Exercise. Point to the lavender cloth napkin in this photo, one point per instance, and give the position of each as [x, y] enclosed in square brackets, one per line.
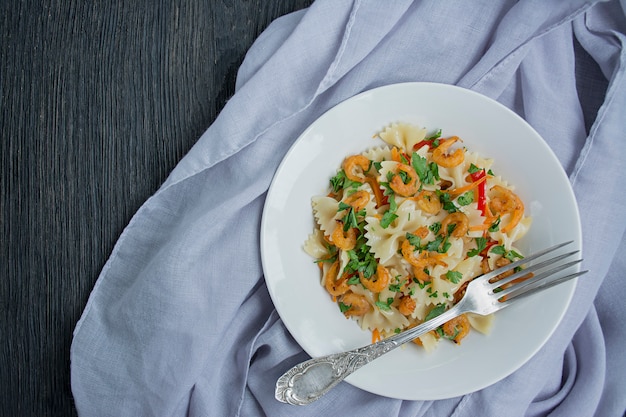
[180, 321]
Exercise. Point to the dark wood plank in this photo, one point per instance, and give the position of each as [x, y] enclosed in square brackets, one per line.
[98, 102]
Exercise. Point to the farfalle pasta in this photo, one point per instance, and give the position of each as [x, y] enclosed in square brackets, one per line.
[407, 225]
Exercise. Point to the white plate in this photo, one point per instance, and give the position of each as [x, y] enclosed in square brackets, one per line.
[521, 157]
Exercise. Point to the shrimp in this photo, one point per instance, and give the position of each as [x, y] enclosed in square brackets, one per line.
[407, 305]
[344, 240]
[358, 304]
[408, 253]
[428, 260]
[355, 163]
[405, 189]
[500, 262]
[448, 160]
[506, 201]
[460, 222]
[421, 274]
[422, 262]
[428, 202]
[421, 232]
[380, 283]
[358, 200]
[334, 286]
[457, 328]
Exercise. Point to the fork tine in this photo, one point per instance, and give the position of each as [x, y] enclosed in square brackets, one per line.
[524, 292]
[543, 277]
[529, 269]
[512, 265]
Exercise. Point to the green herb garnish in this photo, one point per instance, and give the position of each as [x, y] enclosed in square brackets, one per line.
[340, 181]
[466, 198]
[495, 226]
[436, 311]
[481, 244]
[454, 276]
[385, 306]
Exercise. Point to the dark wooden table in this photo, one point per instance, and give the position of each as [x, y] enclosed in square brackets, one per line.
[98, 102]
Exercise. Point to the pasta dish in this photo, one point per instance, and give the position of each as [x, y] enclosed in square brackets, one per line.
[406, 225]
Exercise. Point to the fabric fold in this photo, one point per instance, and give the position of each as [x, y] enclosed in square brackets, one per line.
[511, 39]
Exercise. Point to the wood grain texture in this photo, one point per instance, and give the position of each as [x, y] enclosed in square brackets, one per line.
[98, 102]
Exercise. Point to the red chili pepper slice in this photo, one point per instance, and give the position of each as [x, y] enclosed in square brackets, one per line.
[428, 142]
[482, 190]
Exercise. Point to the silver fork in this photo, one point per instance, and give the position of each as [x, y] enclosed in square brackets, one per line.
[309, 380]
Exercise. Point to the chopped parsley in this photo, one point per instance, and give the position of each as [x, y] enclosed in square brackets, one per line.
[495, 226]
[446, 201]
[435, 135]
[440, 244]
[354, 280]
[361, 260]
[422, 285]
[414, 240]
[481, 244]
[511, 255]
[427, 172]
[385, 306]
[435, 227]
[341, 182]
[343, 206]
[436, 311]
[350, 219]
[473, 168]
[324, 260]
[404, 177]
[454, 276]
[390, 215]
[466, 198]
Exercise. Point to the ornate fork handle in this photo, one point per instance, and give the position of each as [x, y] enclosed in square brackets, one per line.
[308, 381]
